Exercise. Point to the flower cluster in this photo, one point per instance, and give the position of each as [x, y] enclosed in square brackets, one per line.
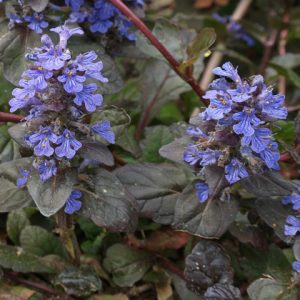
[57, 92]
[292, 224]
[235, 129]
[235, 29]
[103, 16]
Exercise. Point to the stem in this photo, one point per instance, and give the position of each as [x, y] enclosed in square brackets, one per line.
[168, 265]
[159, 46]
[8, 117]
[68, 237]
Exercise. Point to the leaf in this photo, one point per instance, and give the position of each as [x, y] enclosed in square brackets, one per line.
[274, 213]
[13, 49]
[209, 220]
[171, 35]
[161, 240]
[207, 265]
[296, 248]
[200, 44]
[291, 75]
[118, 118]
[265, 289]
[155, 138]
[112, 207]
[19, 261]
[127, 265]
[79, 282]
[267, 184]
[174, 150]
[159, 85]
[40, 242]
[51, 195]
[16, 222]
[95, 150]
[109, 297]
[221, 291]
[17, 132]
[156, 188]
[38, 5]
[297, 128]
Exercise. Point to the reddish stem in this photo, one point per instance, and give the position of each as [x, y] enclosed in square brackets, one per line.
[159, 46]
[8, 117]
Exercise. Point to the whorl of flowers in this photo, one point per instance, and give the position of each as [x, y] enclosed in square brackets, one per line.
[57, 91]
[235, 129]
[102, 16]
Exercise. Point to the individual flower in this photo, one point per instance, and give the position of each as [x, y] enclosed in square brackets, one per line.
[87, 96]
[68, 145]
[36, 22]
[292, 226]
[202, 191]
[235, 171]
[271, 156]
[47, 169]
[75, 4]
[296, 266]
[39, 76]
[293, 199]
[42, 140]
[103, 129]
[65, 33]
[21, 181]
[259, 140]
[72, 203]
[72, 81]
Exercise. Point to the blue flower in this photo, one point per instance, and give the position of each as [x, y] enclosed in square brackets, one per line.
[272, 106]
[103, 129]
[86, 96]
[41, 141]
[220, 84]
[18, 103]
[229, 71]
[202, 191]
[242, 93]
[72, 203]
[209, 157]
[99, 22]
[292, 226]
[106, 9]
[271, 156]
[191, 155]
[75, 4]
[15, 18]
[94, 71]
[195, 132]
[296, 266]
[73, 82]
[247, 122]
[47, 169]
[27, 91]
[86, 60]
[124, 25]
[68, 145]
[53, 58]
[259, 140]
[220, 104]
[65, 33]
[39, 75]
[21, 181]
[294, 199]
[36, 22]
[235, 171]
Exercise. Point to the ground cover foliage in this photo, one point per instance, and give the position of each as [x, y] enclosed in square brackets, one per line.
[149, 169]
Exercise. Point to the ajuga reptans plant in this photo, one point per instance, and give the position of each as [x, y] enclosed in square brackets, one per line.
[57, 92]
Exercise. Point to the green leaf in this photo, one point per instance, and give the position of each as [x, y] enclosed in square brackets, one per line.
[118, 118]
[291, 75]
[40, 242]
[155, 138]
[208, 220]
[201, 43]
[16, 222]
[95, 150]
[80, 282]
[11, 196]
[51, 195]
[156, 188]
[6, 145]
[112, 206]
[127, 265]
[207, 265]
[19, 261]
[274, 213]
